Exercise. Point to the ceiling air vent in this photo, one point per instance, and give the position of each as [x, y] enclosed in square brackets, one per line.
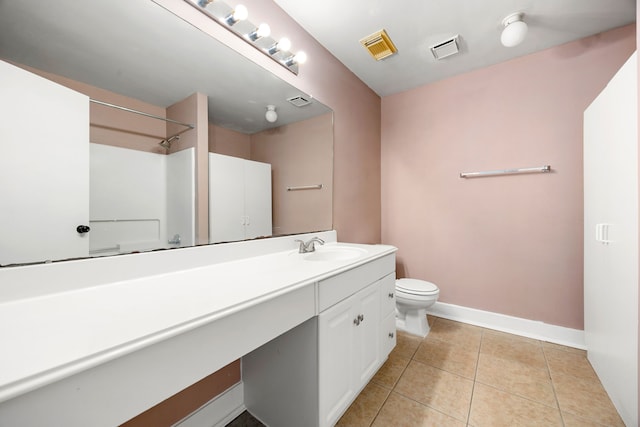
[446, 48]
[299, 101]
[379, 45]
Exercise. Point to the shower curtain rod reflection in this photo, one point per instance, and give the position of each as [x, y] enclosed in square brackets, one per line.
[142, 113]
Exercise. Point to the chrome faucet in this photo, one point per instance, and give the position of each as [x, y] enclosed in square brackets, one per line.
[309, 246]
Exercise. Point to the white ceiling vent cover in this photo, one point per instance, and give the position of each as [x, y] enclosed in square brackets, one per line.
[299, 101]
[446, 48]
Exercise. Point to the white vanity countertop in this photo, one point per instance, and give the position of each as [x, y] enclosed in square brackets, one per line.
[48, 337]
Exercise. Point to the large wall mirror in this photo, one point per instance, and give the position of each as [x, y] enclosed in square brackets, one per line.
[127, 129]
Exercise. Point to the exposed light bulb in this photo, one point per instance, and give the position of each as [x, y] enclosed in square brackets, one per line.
[263, 30]
[300, 57]
[271, 114]
[284, 44]
[240, 13]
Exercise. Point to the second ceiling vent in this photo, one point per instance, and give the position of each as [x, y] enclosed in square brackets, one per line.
[379, 45]
[446, 48]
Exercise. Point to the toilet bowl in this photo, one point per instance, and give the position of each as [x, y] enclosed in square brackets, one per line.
[413, 297]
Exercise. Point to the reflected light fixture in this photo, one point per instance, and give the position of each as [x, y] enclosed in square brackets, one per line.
[240, 13]
[271, 114]
[257, 36]
[515, 30]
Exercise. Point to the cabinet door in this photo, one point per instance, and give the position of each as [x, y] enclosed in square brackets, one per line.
[387, 335]
[336, 334]
[368, 334]
[226, 198]
[44, 168]
[611, 239]
[257, 199]
[388, 295]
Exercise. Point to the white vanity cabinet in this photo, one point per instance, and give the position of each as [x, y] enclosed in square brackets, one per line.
[348, 354]
[355, 337]
[287, 384]
[349, 350]
[387, 313]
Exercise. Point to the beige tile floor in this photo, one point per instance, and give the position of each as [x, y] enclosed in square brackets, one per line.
[464, 375]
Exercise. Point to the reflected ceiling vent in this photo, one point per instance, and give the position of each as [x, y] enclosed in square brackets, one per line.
[379, 45]
[299, 101]
[446, 48]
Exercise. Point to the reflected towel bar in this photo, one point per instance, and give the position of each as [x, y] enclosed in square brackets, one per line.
[545, 168]
[305, 187]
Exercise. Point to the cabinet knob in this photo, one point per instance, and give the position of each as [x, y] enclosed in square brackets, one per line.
[361, 317]
[390, 294]
[391, 334]
[356, 321]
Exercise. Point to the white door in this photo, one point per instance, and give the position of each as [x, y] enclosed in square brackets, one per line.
[368, 350]
[44, 168]
[336, 337]
[611, 239]
[226, 198]
[257, 178]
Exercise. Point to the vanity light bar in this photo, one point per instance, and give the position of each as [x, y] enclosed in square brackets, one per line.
[258, 36]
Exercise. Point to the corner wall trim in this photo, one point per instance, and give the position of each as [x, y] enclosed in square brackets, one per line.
[219, 411]
[513, 325]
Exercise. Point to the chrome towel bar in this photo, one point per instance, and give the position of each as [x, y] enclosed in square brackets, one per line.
[545, 168]
[305, 187]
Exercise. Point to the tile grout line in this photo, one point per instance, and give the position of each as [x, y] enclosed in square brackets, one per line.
[390, 391]
[475, 376]
[393, 387]
[553, 385]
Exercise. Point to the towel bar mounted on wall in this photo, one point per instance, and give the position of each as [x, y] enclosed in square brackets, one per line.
[539, 169]
[305, 187]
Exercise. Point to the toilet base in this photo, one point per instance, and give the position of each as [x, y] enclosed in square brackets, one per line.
[414, 323]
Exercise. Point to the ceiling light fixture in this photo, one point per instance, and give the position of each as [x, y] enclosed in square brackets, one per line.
[515, 30]
[257, 36]
[271, 114]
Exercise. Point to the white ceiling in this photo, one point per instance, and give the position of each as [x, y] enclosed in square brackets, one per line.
[416, 25]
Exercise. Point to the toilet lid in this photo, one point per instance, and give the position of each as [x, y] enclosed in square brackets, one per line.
[415, 286]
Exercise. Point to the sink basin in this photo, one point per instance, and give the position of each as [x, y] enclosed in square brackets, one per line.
[334, 253]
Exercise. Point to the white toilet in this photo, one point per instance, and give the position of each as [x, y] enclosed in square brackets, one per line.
[413, 297]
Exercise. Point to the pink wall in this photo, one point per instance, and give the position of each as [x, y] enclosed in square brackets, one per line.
[229, 142]
[300, 154]
[508, 244]
[356, 194]
[194, 110]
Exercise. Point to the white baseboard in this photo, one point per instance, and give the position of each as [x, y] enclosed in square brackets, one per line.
[513, 325]
[219, 411]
